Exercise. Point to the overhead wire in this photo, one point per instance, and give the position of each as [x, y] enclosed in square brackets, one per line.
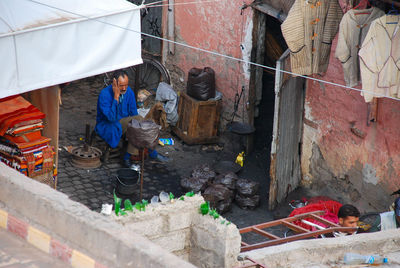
[219, 54]
[183, 3]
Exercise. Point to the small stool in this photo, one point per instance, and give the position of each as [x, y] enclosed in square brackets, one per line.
[108, 152]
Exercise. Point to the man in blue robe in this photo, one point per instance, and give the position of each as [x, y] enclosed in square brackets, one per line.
[116, 107]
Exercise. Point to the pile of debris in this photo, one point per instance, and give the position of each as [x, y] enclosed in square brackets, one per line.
[221, 190]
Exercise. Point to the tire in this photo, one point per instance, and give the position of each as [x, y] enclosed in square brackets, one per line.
[148, 75]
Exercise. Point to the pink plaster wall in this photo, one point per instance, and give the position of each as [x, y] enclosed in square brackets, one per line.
[216, 26]
[335, 110]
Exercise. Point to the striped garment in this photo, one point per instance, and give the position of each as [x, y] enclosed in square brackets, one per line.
[309, 29]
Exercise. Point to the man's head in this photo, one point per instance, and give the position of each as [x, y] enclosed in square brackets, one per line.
[397, 209]
[122, 80]
[348, 216]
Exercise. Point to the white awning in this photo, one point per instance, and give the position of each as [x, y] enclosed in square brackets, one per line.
[42, 46]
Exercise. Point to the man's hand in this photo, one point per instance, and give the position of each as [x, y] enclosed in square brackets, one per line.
[116, 89]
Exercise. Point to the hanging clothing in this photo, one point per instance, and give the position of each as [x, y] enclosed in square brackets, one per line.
[352, 31]
[380, 58]
[111, 111]
[309, 29]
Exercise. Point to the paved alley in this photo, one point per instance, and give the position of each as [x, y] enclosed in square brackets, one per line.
[17, 253]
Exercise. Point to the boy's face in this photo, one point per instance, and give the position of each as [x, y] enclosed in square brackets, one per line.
[349, 221]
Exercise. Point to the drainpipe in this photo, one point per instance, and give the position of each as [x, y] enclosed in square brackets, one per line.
[171, 27]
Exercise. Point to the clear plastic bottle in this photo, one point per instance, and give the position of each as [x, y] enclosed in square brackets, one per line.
[354, 258]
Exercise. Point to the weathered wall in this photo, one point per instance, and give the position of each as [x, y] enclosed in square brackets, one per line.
[360, 170]
[218, 27]
[329, 252]
[179, 228]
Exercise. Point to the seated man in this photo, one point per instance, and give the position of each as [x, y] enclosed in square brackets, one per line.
[397, 211]
[388, 220]
[116, 107]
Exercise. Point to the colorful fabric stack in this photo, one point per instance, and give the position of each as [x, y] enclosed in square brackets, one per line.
[21, 144]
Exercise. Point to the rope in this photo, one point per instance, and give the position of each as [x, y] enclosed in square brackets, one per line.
[220, 54]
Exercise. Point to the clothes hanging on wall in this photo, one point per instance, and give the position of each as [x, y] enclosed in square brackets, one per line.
[352, 31]
[380, 58]
[309, 30]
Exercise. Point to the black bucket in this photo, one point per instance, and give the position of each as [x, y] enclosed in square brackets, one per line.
[126, 181]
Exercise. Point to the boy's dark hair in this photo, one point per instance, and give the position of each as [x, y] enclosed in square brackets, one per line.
[119, 73]
[348, 210]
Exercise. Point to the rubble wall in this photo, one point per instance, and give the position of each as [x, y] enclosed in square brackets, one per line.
[340, 151]
[51, 221]
[218, 27]
[329, 252]
[179, 228]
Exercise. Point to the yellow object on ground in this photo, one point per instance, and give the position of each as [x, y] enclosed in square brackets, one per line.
[240, 159]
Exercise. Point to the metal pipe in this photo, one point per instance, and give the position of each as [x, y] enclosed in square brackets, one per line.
[141, 176]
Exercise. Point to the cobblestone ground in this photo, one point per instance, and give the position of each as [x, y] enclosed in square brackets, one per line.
[17, 253]
[95, 187]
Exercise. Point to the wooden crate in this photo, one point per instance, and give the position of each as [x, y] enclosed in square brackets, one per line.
[198, 120]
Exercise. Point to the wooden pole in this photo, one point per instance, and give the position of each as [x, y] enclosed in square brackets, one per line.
[141, 176]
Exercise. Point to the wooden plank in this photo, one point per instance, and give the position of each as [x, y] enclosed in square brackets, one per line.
[244, 244]
[269, 10]
[296, 237]
[264, 233]
[295, 227]
[322, 220]
[278, 222]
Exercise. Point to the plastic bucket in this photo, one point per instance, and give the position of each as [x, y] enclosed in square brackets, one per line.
[126, 181]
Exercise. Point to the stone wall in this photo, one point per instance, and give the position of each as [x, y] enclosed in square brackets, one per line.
[179, 228]
[54, 215]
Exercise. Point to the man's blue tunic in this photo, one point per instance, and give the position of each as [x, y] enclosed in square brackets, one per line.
[110, 111]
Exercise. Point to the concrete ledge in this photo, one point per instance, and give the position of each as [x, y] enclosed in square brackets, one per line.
[323, 252]
[87, 233]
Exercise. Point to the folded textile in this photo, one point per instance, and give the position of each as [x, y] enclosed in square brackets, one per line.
[31, 164]
[25, 129]
[25, 145]
[15, 110]
[24, 137]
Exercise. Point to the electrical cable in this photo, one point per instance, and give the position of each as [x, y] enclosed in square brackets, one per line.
[184, 3]
[220, 54]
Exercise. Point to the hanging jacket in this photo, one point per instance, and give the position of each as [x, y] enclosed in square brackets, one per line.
[380, 58]
[309, 29]
[352, 31]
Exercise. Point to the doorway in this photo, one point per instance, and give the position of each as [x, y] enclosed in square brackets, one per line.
[274, 47]
[278, 112]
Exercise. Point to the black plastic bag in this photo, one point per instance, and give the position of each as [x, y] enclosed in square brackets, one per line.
[247, 187]
[203, 172]
[193, 184]
[143, 134]
[245, 202]
[219, 196]
[228, 180]
[201, 83]
[224, 206]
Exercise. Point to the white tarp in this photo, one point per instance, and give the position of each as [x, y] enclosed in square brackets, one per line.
[42, 46]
